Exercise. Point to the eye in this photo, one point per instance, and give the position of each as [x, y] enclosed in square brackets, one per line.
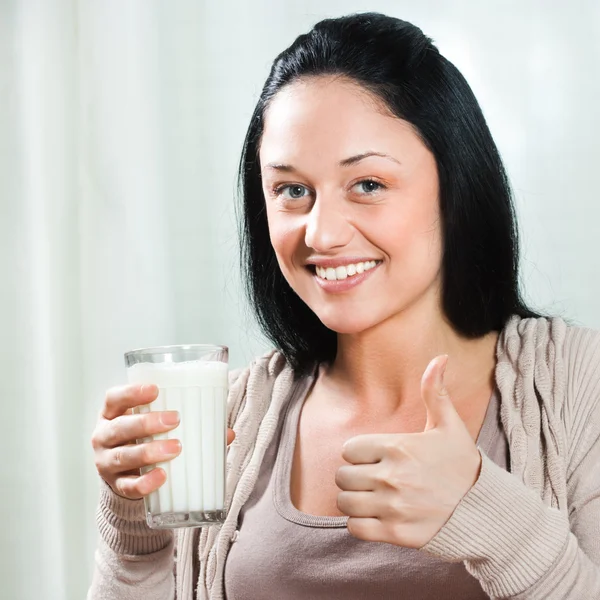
[294, 191]
[368, 186]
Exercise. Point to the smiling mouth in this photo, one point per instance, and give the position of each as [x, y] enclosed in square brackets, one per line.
[345, 271]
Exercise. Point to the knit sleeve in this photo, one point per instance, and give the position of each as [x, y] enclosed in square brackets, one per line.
[132, 561]
[513, 543]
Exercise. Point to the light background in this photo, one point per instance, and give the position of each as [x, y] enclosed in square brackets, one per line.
[121, 123]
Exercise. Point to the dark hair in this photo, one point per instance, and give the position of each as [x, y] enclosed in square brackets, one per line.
[397, 63]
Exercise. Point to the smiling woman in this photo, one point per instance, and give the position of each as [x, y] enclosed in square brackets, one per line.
[339, 112]
[368, 197]
[418, 431]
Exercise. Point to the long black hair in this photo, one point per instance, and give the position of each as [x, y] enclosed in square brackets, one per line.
[401, 66]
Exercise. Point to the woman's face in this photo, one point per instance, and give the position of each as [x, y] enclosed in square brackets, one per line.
[352, 204]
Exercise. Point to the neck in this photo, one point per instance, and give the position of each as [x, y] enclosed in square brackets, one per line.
[380, 369]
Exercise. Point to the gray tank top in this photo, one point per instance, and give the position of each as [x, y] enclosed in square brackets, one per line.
[280, 553]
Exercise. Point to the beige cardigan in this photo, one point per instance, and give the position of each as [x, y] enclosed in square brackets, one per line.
[531, 533]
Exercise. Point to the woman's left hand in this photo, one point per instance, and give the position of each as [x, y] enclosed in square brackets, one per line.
[402, 488]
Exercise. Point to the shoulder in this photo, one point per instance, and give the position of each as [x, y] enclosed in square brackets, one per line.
[581, 359]
[270, 365]
[581, 355]
[550, 340]
[549, 362]
[550, 348]
[559, 360]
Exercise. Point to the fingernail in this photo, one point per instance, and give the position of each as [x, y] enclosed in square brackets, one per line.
[442, 371]
[169, 418]
[444, 364]
[171, 448]
[149, 389]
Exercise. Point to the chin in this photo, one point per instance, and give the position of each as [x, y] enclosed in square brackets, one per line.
[345, 324]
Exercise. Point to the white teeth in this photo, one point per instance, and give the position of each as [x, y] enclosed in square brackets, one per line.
[343, 272]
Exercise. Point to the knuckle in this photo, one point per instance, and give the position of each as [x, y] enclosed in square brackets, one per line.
[121, 487]
[346, 500]
[388, 478]
[95, 440]
[99, 464]
[116, 396]
[393, 449]
[350, 526]
[133, 489]
[381, 478]
[354, 527]
[347, 449]
[119, 458]
[111, 433]
[113, 391]
[397, 507]
[149, 424]
[395, 482]
[148, 454]
[342, 477]
[401, 535]
[112, 395]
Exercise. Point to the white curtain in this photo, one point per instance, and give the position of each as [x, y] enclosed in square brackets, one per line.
[121, 124]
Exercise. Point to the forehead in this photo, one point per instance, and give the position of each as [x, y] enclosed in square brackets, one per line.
[330, 117]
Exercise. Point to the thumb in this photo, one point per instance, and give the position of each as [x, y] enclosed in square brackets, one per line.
[440, 410]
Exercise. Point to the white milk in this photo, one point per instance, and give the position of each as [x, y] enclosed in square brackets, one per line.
[196, 478]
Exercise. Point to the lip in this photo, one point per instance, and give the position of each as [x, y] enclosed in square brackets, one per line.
[343, 285]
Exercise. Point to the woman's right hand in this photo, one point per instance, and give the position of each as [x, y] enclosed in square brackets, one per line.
[117, 456]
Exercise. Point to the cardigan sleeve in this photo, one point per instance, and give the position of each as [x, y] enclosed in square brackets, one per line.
[509, 539]
[132, 561]
[517, 546]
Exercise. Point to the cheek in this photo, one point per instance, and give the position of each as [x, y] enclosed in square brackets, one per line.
[416, 241]
[286, 238]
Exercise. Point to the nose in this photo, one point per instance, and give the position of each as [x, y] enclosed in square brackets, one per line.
[327, 227]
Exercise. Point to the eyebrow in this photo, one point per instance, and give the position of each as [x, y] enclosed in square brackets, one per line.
[347, 162]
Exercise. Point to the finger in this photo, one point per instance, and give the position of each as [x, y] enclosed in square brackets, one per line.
[127, 429]
[358, 504]
[136, 487]
[367, 448]
[369, 529]
[136, 456]
[355, 478]
[119, 399]
[230, 436]
[440, 410]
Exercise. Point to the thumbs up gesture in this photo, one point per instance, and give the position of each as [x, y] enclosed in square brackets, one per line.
[402, 488]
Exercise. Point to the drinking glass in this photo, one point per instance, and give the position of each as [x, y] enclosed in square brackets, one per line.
[193, 380]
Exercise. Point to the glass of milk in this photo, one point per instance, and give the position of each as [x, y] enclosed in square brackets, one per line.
[192, 380]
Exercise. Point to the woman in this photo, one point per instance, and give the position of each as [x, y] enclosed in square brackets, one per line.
[419, 431]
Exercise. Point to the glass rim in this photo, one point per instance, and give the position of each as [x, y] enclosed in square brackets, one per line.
[154, 350]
